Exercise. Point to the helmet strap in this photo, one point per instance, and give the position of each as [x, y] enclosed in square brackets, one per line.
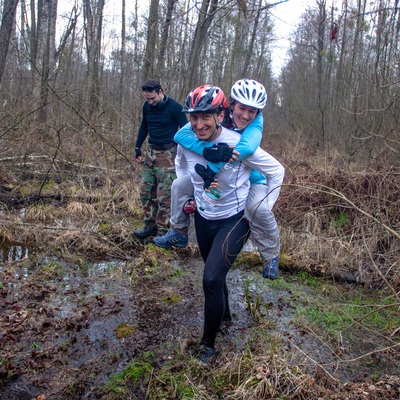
[217, 126]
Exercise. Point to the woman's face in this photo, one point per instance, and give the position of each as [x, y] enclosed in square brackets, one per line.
[242, 115]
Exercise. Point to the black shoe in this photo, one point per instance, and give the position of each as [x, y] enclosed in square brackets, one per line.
[148, 230]
[227, 317]
[206, 354]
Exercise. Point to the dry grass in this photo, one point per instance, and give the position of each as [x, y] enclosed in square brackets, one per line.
[42, 213]
[7, 232]
[267, 377]
[334, 222]
[345, 224]
[79, 210]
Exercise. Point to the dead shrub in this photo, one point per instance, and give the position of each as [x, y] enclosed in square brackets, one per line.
[339, 222]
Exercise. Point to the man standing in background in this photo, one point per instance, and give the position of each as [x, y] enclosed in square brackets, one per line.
[162, 117]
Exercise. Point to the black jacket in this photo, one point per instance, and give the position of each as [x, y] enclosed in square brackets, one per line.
[161, 122]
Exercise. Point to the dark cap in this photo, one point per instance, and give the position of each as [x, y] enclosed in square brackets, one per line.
[151, 85]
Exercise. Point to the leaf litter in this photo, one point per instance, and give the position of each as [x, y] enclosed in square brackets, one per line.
[61, 323]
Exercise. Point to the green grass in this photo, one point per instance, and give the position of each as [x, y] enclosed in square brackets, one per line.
[379, 313]
[307, 279]
[118, 385]
[35, 346]
[341, 221]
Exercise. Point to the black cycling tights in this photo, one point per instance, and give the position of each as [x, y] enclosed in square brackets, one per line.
[220, 241]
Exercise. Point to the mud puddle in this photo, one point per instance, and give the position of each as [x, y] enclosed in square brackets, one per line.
[67, 326]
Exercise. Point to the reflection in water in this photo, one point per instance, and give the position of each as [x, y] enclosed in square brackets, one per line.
[10, 253]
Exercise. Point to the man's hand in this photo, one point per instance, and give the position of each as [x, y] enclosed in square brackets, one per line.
[207, 174]
[218, 153]
[138, 154]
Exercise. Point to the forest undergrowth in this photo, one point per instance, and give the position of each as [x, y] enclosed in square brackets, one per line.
[338, 225]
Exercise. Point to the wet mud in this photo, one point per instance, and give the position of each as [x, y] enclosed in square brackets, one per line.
[68, 325]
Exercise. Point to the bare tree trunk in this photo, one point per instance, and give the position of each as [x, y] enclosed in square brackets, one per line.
[253, 40]
[164, 37]
[206, 15]
[320, 85]
[93, 15]
[149, 70]
[33, 34]
[69, 61]
[69, 32]
[123, 66]
[338, 77]
[397, 23]
[7, 20]
[234, 51]
[43, 52]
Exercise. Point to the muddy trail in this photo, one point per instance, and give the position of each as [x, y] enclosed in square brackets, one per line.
[69, 325]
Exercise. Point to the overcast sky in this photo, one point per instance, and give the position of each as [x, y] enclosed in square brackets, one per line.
[286, 16]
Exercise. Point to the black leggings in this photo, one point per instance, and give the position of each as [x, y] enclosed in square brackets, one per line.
[220, 241]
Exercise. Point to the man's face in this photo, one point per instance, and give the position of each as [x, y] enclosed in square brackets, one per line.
[242, 115]
[153, 98]
[204, 124]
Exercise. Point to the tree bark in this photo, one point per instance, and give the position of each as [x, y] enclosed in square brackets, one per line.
[164, 37]
[320, 53]
[93, 15]
[43, 52]
[149, 70]
[253, 40]
[206, 15]
[123, 65]
[7, 20]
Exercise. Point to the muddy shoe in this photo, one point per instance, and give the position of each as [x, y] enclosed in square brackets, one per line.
[171, 238]
[148, 230]
[206, 354]
[271, 268]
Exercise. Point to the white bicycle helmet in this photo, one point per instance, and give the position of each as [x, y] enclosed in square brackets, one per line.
[250, 93]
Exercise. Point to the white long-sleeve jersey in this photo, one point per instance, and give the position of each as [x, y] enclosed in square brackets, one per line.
[233, 182]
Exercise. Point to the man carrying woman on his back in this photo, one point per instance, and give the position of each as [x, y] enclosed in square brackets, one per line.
[248, 98]
[221, 231]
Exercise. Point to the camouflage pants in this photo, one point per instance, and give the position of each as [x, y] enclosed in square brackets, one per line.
[155, 191]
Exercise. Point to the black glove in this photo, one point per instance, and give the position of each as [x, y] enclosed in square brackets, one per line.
[207, 174]
[138, 153]
[219, 153]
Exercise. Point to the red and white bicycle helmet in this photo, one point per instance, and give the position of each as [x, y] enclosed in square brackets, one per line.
[250, 93]
[205, 99]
